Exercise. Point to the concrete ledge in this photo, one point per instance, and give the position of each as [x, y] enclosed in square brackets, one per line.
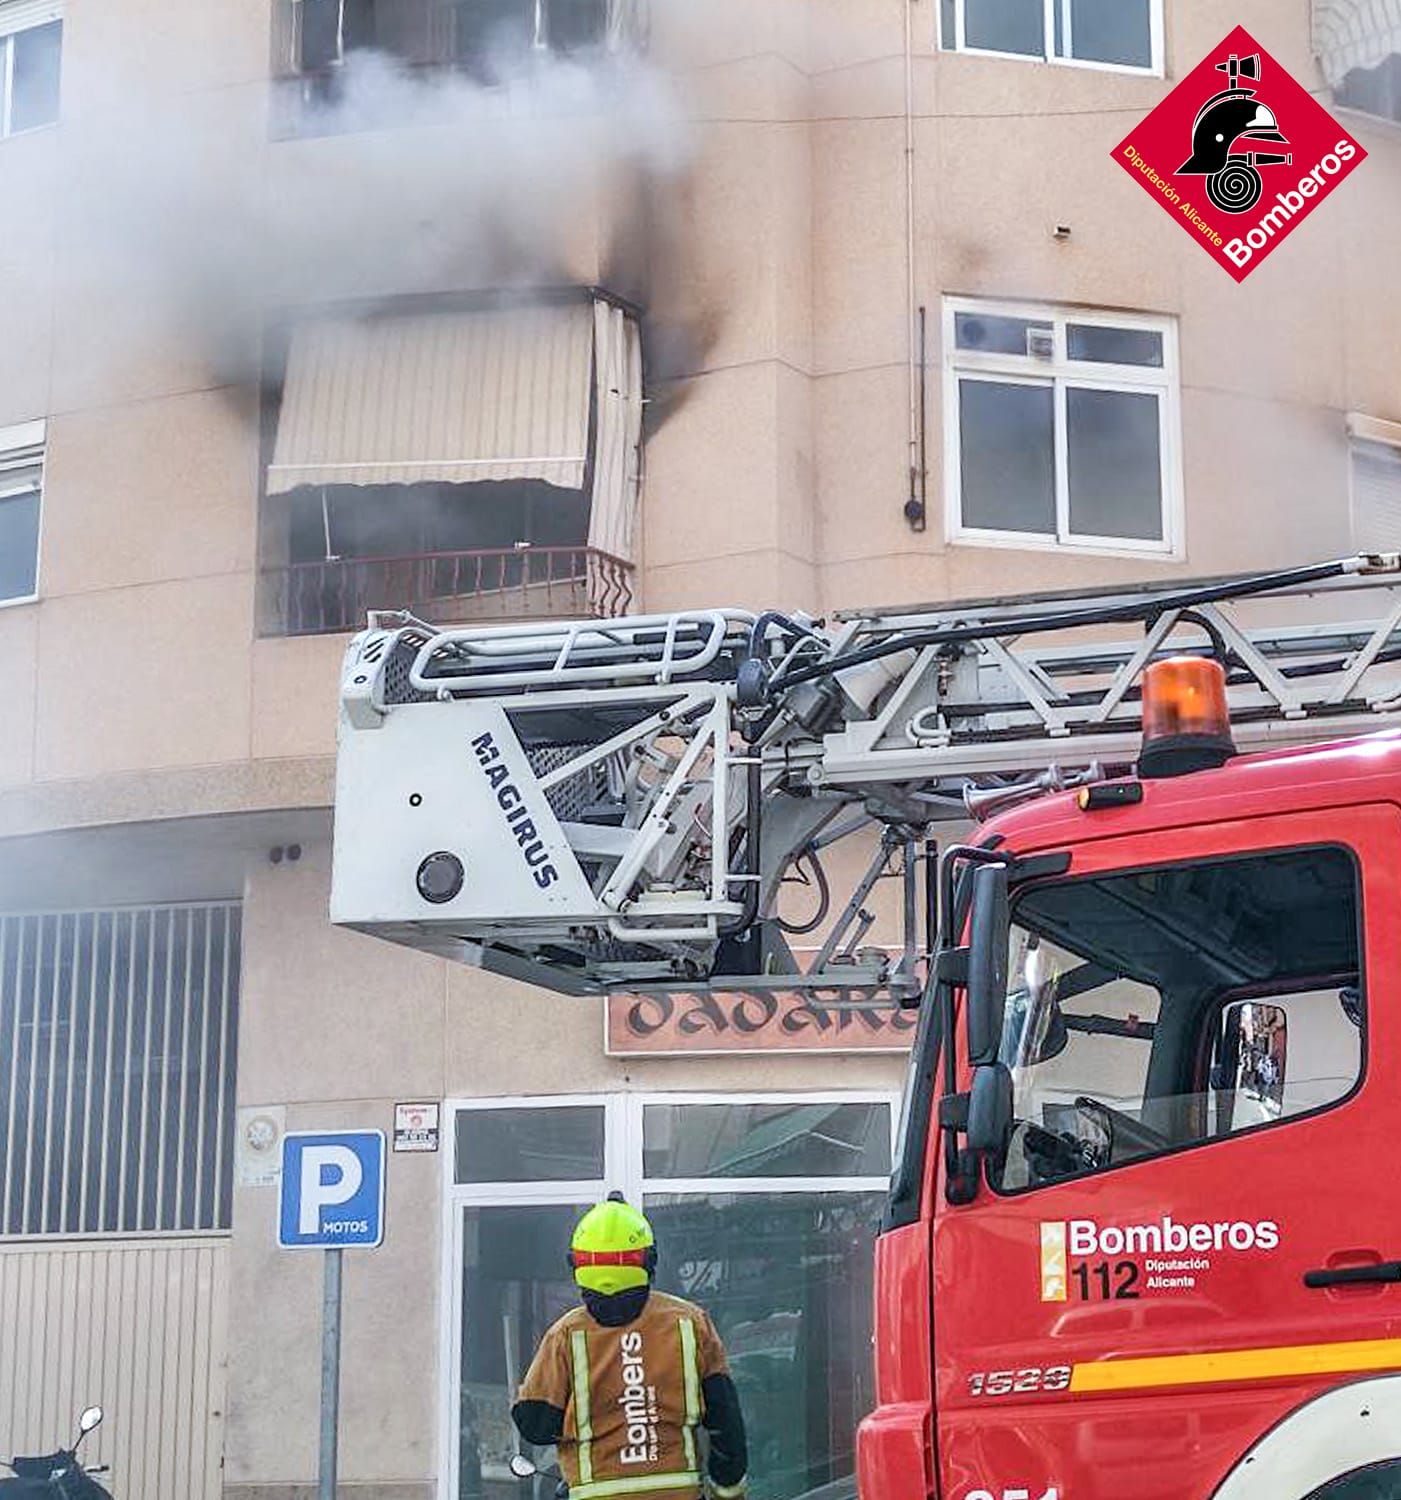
[179, 792]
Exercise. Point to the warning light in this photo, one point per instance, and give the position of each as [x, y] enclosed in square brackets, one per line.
[1186, 722]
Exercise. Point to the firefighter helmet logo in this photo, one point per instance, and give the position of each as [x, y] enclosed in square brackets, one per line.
[1224, 136]
[1264, 153]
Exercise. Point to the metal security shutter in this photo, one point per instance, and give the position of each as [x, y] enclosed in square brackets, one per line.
[448, 397]
[1376, 496]
[136, 1326]
[1350, 34]
[117, 1051]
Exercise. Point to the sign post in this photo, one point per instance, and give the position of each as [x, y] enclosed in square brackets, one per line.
[332, 1197]
[330, 1374]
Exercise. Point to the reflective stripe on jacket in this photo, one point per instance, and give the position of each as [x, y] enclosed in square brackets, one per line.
[631, 1397]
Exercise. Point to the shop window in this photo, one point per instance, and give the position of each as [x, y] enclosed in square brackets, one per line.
[21, 491]
[459, 463]
[519, 1145]
[31, 50]
[1061, 429]
[765, 1212]
[117, 1033]
[1374, 463]
[1241, 1007]
[766, 1140]
[1094, 33]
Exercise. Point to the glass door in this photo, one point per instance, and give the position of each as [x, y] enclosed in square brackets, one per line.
[765, 1210]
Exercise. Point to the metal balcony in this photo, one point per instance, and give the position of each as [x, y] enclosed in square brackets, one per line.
[516, 583]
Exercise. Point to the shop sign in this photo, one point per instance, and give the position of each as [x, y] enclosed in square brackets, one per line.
[738, 1021]
[415, 1127]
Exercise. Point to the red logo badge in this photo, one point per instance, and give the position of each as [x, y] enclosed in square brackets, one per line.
[1239, 154]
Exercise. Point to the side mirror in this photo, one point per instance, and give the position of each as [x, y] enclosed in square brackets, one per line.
[522, 1467]
[89, 1418]
[987, 963]
[990, 1105]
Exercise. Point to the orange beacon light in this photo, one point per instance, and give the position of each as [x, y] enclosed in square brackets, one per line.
[1186, 721]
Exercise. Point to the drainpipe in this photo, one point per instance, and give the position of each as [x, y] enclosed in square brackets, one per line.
[914, 504]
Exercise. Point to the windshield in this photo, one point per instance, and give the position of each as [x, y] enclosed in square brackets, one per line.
[1152, 1010]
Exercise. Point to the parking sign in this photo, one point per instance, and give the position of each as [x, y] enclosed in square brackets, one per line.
[332, 1190]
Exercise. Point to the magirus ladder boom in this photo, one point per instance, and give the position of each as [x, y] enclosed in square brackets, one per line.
[656, 802]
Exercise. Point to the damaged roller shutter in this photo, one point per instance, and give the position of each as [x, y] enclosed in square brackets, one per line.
[617, 460]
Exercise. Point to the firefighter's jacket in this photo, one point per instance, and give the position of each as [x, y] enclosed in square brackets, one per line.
[625, 1404]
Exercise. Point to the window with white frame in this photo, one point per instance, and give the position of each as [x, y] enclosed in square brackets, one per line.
[1088, 33]
[1061, 428]
[765, 1210]
[1374, 461]
[21, 489]
[31, 49]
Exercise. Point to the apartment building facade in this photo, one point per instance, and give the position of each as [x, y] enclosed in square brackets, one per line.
[502, 309]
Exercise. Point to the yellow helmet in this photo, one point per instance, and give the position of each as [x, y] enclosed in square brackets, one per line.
[613, 1249]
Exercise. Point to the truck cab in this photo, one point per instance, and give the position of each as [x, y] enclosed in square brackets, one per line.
[1142, 1239]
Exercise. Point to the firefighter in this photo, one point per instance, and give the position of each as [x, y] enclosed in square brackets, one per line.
[623, 1383]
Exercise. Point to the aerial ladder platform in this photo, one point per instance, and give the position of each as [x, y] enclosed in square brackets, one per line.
[631, 804]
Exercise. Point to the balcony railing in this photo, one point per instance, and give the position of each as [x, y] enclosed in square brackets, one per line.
[516, 583]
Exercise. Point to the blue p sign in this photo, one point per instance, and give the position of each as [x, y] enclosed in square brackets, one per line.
[332, 1190]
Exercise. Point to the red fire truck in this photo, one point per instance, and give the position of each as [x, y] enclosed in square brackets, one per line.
[1141, 1214]
[1140, 1242]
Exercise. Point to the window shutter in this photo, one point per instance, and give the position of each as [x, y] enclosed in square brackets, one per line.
[618, 448]
[21, 458]
[448, 398]
[1376, 497]
[21, 15]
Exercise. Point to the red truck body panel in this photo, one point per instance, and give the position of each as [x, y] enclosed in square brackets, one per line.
[1016, 1397]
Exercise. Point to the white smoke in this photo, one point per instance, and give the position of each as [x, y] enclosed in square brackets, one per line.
[191, 223]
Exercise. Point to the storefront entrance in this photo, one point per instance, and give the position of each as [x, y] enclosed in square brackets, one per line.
[765, 1209]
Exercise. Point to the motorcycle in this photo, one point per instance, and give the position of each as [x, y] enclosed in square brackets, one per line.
[56, 1476]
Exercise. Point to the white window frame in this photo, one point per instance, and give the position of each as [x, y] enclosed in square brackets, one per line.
[12, 440]
[622, 1160]
[16, 18]
[1060, 373]
[1155, 69]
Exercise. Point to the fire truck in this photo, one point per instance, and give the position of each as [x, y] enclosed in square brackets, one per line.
[1134, 858]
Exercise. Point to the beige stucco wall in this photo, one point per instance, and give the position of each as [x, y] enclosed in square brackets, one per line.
[780, 471]
[135, 690]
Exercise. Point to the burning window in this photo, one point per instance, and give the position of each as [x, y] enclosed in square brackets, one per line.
[460, 463]
[319, 35]
[31, 44]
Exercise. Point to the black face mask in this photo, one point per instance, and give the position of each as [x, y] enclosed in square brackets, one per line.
[620, 1308]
